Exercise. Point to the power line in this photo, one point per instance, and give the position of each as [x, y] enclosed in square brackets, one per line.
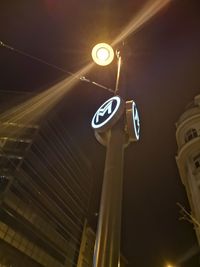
[81, 78]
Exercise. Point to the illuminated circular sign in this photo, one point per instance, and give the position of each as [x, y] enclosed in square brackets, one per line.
[108, 114]
[133, 121]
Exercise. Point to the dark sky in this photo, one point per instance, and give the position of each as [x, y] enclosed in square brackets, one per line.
[161, 69]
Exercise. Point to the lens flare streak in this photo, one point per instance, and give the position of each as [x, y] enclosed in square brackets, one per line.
[32, 110]
[146, 13]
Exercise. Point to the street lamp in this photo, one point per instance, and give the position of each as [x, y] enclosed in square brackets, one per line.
[116, 124]
[102, 54]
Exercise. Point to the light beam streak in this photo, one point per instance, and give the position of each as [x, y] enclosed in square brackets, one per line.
[32, 110]
[146, 13]
[188, 255]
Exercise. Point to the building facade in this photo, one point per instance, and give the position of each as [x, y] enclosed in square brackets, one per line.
[188, 156]
[45, 188]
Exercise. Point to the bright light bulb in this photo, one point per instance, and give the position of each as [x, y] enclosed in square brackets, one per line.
[102, 54]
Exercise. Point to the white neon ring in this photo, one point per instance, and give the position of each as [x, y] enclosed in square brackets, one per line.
[118, 99]
[134, 121]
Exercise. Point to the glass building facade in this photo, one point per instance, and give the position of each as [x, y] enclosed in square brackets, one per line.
[45, 188]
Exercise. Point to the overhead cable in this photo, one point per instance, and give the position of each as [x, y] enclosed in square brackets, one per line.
[81, 78]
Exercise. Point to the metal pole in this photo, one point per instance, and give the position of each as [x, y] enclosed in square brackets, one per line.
[107, 246]
[119, 63]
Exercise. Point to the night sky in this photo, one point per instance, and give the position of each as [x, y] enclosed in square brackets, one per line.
[161, 73]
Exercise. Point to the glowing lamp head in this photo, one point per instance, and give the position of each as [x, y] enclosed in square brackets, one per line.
[102, 54]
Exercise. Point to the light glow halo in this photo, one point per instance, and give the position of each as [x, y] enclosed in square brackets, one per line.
[102, 54]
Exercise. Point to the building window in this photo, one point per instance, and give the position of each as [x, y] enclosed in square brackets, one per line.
[197, 161]
[3, 182]
[190, 134]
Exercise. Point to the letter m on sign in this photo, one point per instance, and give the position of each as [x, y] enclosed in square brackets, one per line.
[102, 111]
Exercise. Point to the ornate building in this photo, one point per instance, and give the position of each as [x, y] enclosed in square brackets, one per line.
[188, 157]
[45, 187]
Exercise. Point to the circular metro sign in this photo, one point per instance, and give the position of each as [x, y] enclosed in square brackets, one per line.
[133, 121]
[108, 114]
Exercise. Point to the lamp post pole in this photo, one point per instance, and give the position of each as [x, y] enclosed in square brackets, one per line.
[107, 246]
[109, 123]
